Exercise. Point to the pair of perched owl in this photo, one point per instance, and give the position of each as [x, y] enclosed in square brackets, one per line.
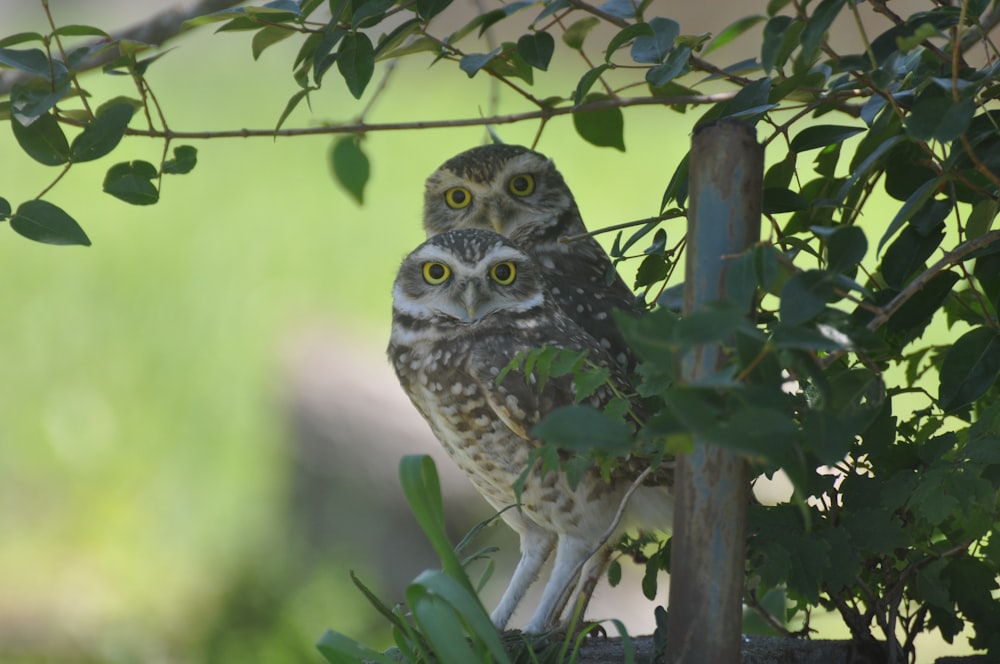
[497, 277]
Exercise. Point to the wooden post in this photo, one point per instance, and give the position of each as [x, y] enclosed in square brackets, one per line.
[709, 540]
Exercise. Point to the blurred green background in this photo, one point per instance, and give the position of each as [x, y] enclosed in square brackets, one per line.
[185, 471]
[199, 432]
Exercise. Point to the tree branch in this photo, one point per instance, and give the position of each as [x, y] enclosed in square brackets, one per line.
[156, 30]
[363, 127]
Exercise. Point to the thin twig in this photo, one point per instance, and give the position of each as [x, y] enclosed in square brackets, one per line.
[628, 224]
[361, 127]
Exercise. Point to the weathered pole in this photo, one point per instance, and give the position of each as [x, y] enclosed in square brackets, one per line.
[707, 559]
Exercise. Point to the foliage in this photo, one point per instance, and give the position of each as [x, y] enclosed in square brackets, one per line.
[843, 369]
[443, 620]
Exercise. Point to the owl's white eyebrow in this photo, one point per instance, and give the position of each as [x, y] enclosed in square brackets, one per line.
[499, 254]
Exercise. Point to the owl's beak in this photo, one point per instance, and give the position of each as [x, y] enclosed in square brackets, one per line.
[496, 224]
[470, 298]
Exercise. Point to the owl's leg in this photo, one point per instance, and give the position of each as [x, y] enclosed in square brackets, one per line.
[590, 576]
[571, 552]
[536, 545]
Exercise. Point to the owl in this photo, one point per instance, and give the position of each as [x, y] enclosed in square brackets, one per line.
[465, 302]
[519, 194]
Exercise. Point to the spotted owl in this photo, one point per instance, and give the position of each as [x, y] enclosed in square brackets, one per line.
[465, 302]
[519, 194]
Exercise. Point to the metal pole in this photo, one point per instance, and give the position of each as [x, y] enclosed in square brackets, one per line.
[708, 551]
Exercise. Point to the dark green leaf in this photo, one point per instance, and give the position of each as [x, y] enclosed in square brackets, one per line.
[970, 367]
[268, 36]
[626, 35]
[820, 136]
[4, 208]
[936, 116]
[44, 222]
[870, 163]
[322, 57]
[817, 26]
[603, 128]
[909, 321]
[510, 63]
[34, 98]
[473, 62]
[370, 13]
[653, 49]
[677, 188]
[290, 106]
[916, 200]
[356, 62]
[751, 102]
[675, 65]
[132, 182]
[732, 31]
[337, 648]
[103, 134]
[805, 296]
[774, 48]
[537, 48]
[428, 9]
[185, 158]
[578, 31]
[586, 82]
[907, 255]
[778, 200]
[582, 428]
[845, 248]
[621, 8]
[31, 61]
[981, 218]
[389, 43]
[350, 166]
[43, 140]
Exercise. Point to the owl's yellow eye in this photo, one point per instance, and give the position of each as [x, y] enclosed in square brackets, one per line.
[522, 185]
[503, 273]
[458, 198]
[436, 273]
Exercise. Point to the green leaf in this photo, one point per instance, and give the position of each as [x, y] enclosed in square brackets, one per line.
[337, 648]
[103, 134]
[185, 158]
[603, 128]
[80, 31]
[775, 47]
[576, 33]
[31, 61]
[388, 44]
[350, 166]
[473, 62]
[586, 82]
[356, 62]
[43, 140]
[817, 26]
[676, 64]
[44, 222]
[626, 35]
[268, 36]
[936, 116]
[537, 48]
[422, 489]
[22, 37]
[4, 208]
[805, 296]
[732, 31]
[290, 106]
[132, 182]
[820, 136]
[584, 429]
[908, 254]
[370, 13]
[981, 218]
[916, 201]
[653, 49]
[428, 9]
[970, 367]
[845, 247]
